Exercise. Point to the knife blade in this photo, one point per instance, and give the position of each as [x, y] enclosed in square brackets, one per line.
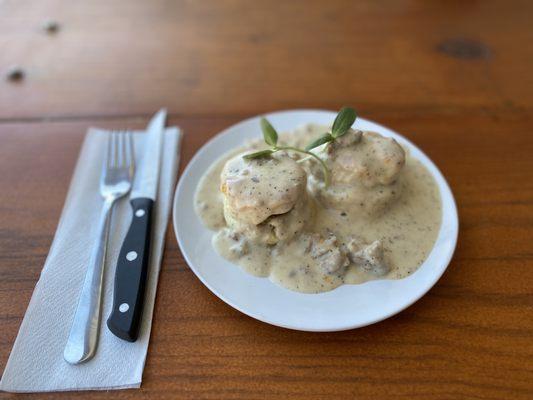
[132, 265]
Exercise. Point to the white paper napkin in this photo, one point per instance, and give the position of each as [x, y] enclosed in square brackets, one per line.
[36, 362]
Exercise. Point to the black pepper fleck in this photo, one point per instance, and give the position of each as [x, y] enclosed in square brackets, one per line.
[51, 27]
[15, 74]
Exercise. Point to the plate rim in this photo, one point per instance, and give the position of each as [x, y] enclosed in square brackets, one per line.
[257, 316]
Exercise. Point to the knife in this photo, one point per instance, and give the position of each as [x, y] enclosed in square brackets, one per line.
[132, 265]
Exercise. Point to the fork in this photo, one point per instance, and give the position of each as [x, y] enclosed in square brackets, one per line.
[115, 182]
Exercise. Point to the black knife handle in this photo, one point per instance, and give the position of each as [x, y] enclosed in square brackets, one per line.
[131, 273]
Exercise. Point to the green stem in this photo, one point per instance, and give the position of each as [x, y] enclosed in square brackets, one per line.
[324, 166]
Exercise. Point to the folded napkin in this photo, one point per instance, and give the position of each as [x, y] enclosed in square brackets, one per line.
[36, 362]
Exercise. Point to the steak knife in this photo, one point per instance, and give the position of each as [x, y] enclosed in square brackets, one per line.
[132, 265]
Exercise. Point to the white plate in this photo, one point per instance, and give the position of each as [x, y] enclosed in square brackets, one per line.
[347, 307]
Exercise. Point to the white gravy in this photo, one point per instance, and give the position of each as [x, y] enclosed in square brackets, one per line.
[407, 229]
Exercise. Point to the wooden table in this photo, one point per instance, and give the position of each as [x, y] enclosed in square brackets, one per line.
[454, 77]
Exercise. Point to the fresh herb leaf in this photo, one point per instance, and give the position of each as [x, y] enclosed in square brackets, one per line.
[344, 120]
[325, 138]
[269, 133]
[258, 154]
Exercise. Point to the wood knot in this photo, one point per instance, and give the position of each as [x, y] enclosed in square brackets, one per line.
[464, 49]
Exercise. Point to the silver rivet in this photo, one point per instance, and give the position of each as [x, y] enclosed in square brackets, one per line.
[132, 255]
[139, 213]
[124, 307]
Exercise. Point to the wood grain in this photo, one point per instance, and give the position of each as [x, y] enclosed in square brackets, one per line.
[454, 77]
[226, 57]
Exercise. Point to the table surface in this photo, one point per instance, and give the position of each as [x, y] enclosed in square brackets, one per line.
[453, 77]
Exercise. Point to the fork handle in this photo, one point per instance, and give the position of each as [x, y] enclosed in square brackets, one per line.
[131, 273]
[83, 336]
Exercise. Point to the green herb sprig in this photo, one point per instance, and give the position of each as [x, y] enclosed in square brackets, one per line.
[343, 122]
[271, 138]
